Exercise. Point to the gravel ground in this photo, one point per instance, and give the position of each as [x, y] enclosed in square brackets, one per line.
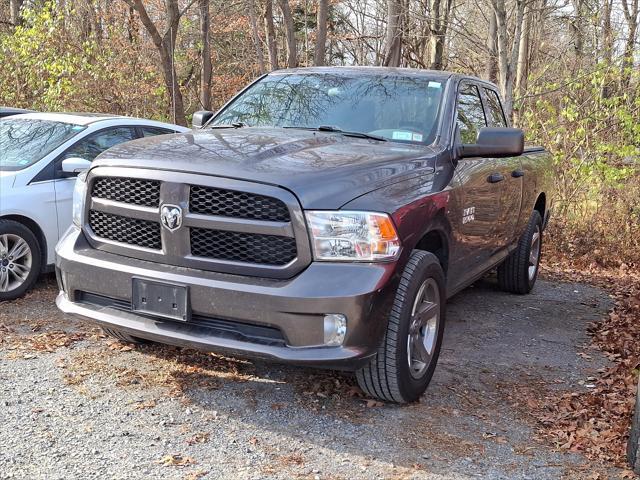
[78, 405]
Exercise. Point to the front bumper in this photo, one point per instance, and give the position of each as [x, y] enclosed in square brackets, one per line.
[293, 308]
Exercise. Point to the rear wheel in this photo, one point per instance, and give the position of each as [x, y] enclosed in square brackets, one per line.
[124, 337]
[633, 447]
[403, 366]
[519, 271]
[20, 259]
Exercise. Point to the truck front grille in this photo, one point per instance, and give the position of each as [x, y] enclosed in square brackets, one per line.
[128, 190]
[225, 225]
[229, 203]
[242, 247]
[131, 231]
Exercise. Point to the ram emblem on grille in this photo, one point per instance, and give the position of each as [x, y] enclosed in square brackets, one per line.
[171, 217]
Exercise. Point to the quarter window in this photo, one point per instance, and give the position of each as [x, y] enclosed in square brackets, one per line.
[495, 109]
[153, 131]
[470, 113]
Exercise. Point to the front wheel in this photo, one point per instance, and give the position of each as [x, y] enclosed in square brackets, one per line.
[403, 366]
[20, 259]
[519, 271]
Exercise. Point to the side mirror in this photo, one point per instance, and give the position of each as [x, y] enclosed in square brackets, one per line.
[201, 118]
[495, 142]
[73, 166]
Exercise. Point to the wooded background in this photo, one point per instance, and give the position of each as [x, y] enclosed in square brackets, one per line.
[568, 71]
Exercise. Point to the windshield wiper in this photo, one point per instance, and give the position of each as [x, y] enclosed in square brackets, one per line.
[334, 129]
[228, 125]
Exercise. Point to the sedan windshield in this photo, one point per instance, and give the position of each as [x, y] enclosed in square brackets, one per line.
[24, 141]
[399, 108]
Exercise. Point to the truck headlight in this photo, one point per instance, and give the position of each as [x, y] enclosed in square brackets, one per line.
[352, 236]
[79, 195]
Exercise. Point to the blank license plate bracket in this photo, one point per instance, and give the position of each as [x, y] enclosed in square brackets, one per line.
[160, 299]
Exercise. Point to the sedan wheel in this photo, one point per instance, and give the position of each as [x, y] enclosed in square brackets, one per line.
[16, 260]
[20, 259]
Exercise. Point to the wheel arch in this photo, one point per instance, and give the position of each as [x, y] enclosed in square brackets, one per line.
[37, 231]
[541, 204]
[436, 240]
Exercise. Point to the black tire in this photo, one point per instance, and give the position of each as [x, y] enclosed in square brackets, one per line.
[633, 446]
[124, 337]
[15, 287]
[390, 375]
[514, 273]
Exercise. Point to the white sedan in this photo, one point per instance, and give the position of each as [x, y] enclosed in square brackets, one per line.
[36, 189]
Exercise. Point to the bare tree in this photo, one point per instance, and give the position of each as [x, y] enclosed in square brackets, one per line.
[15, 6]
[631, 11]
[255, 35]
[522, 71]
[207, 69]
[491, 66]
[439, 21]
[393, 42]
[321, 40]
[292, 54]
[271, 35]
[165, 43]
[508, 51]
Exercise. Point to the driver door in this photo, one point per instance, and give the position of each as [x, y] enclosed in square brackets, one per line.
[88, 148]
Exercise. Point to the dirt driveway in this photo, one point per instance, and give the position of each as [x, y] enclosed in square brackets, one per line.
[77, 405]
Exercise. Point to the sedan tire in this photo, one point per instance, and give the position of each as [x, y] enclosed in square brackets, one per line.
[20, 259]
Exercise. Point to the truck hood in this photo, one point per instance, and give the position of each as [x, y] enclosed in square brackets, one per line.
[324, 170]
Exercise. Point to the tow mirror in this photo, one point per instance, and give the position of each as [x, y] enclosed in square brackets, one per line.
[495, 142]
[75, 165]
[201, 118]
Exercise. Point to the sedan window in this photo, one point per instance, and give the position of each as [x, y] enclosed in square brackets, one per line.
[93, 145]
[25, 141]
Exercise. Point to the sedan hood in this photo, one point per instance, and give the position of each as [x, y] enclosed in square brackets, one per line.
[324, 170]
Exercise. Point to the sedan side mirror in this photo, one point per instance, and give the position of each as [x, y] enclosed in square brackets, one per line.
[201, 118]
[73, 166]
[495, 142]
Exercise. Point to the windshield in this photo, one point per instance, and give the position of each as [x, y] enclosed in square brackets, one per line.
[24, 141]
[400, 108]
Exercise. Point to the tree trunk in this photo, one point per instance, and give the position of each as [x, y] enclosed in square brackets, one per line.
[522, 71]
[631, 16]
[438, 32]
[255, 35]
[165, 44]
[491, 67]
[292, 54]
[393, 42]
[578, 27]
[507, 57]
[321, 39]
[15, 6]
[207, 69]
[271, 35]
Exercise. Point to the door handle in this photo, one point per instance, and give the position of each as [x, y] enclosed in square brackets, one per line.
[517, 173]
[495, 178]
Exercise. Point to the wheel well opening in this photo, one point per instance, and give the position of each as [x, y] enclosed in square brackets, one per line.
[541, 205]
[37, 231]
[435, 243]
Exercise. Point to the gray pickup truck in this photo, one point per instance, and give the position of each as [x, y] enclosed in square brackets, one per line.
[633, 445]
[322, 217]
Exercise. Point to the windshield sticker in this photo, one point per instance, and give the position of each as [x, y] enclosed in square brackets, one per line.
[417, 137]
[77, 128]
[400, 135]
[434, 85]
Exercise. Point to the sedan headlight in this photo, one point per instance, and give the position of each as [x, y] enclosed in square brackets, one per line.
[79, 195]
[352, 236]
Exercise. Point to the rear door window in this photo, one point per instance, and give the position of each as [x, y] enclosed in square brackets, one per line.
[470, 115]
[494, 108]
[96, 143]
[153, 131]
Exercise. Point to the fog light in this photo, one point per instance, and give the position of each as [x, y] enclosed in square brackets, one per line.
[335, 328]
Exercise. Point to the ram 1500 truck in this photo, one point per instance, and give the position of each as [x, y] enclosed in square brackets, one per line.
[322, 217]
